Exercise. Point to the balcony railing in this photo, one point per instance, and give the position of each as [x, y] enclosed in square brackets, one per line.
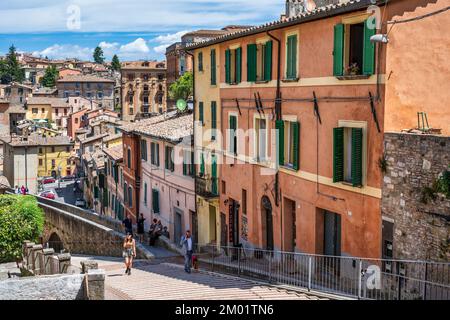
[207, 187]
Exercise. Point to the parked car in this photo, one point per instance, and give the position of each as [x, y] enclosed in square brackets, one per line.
[80, 203]
[49, 195]
[48, 180]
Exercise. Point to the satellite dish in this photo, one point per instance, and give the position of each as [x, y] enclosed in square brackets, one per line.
[181, 105]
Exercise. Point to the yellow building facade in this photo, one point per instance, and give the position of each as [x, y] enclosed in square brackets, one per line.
[39, 112]
[207, 135]
[55, 157]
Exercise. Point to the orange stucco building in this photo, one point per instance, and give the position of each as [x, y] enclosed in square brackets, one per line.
[302, 107]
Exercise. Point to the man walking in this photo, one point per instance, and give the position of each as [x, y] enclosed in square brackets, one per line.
[187, 243]
[128, 224]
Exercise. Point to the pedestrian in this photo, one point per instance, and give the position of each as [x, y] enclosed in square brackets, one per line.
[166, 233]
[128, 224]
[26, 190]
[140, 228]
[187, 243]
[23, 190]
[17, 190]
[151, 232]
[129, 252]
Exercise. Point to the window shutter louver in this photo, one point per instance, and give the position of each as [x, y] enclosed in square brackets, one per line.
[228, 66]
[238, 65]
[184, 164]
[200, 112]
[296, 146]
[357, 148]
[155, 201]
[268, 61]
[292, 57]
[279, 125]
[202, 164]
[251, 62]
[200, 61]
[214, 175]
[369, 51]
[166, 158]
[338, 51]
[338, 154]
[213, 67]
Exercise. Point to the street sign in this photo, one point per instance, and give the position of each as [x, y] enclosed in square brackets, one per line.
[181, 105]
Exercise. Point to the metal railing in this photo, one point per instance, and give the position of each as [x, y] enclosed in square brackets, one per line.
[207, 187]
[359, 278]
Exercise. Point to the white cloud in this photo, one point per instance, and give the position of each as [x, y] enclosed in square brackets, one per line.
[137, 49]
[167, 40]
[137, 46]
[57, 51]
[135, 15]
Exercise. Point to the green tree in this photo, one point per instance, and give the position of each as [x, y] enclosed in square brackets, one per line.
[50, 77]
[20, 219]
[115, 63]
[10, 69]
[98, 55]
[183, 88]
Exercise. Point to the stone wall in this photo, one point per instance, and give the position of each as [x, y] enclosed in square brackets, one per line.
[88, 286]
[414, 162]
[84, 233]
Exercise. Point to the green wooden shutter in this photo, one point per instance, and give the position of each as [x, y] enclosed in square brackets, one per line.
[213, 119]
[296, 146]
[228, 66]
[155, 201]
[145, 193]
[338, 51]
[202, 164]
[238, 65]
[166, 158]
[233, 127]
[268, 61]
[200, 61]
[116, 173]
[357, 153]
[251, 62]
[214, 189]
[292, 57]
[184, 164]
[279, 125]
[200, 112]
[96, 192]
[369, 51]
[192, 164]
[213, 67]
[338, 154]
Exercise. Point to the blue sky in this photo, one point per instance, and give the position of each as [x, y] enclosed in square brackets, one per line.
[132, 29]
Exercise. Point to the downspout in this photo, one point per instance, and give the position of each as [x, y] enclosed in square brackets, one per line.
[278, 103]
[193, 138]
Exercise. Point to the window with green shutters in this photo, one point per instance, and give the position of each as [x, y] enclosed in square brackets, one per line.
[200, 61]
[289, 144]
[188, 163]
[291, 57]
[348, 155]
[213, 67]
[259, 61]
[213, 120]
[233, 136]
[169, 163]
[96, 192]
[125, 193]
[155, 201]
[233, 65]
[130, 197]
[154, 153]
[201, 113]
[129, 158]
[144, 150]
[353, 53]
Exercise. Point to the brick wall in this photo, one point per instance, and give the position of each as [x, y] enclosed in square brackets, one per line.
[414, 162]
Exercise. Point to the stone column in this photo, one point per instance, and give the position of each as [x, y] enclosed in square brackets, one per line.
[64, 262]
[48, 254]
[27, 262]
[88, 265]
[94, 282]
[35, 258]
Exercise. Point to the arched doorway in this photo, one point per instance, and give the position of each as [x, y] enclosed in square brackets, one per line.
[55, 243]
[267, 223]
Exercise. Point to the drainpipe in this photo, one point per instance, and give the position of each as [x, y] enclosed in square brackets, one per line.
[278, 103]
